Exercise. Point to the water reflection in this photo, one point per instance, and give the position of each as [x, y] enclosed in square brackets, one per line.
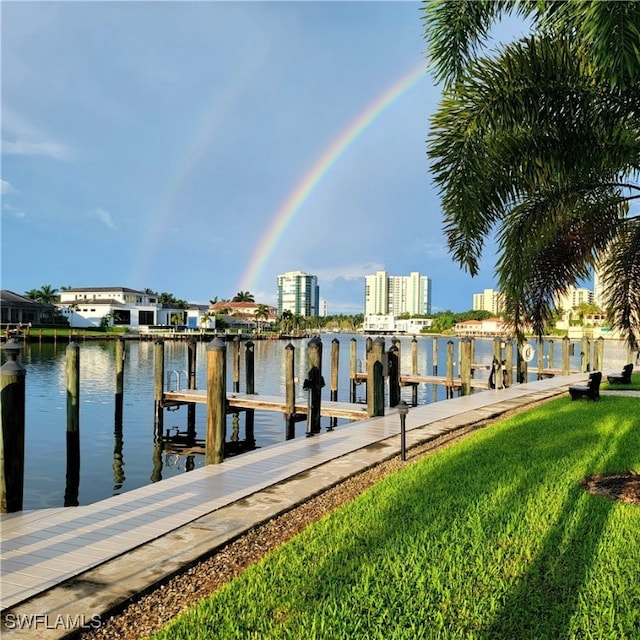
[102, 441]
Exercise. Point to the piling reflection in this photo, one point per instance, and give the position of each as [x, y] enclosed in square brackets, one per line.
[118, 460]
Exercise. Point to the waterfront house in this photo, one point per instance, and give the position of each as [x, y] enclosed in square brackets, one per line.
[378, 323]
[483, 328]
[118, 306]
[16, 309]
[242, 316]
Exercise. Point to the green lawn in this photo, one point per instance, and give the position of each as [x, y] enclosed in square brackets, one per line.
[491, 538]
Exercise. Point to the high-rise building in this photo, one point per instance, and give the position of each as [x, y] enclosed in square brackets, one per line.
[396, 295]
[489, 300]
[298, 292]
[574, 297]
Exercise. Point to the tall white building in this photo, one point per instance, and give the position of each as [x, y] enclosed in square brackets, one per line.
[574, 297]
[395, 295]
[489, 300]
[298, 292]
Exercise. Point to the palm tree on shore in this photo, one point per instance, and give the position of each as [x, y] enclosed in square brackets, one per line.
[47, 294]
[243, 296]
[538, 144]
[261, 313]
[32, 294]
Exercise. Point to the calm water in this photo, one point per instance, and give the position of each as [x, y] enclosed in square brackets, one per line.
[111, 465]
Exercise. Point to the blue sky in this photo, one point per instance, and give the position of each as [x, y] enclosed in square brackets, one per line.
[151, 144]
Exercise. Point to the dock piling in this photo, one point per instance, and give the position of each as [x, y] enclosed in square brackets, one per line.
[375, 378]
[73, 425]
[333, 383]
[250, 386]
[289, 392]
[216, 401]
[119, 399]
[158, 420]
[12, 410]
[313, 384]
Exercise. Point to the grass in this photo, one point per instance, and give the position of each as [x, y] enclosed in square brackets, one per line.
[634, 386]
[491, 538]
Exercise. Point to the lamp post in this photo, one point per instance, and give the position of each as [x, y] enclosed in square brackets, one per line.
[403, 410]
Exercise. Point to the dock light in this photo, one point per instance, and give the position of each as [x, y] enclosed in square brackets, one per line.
[403, 410]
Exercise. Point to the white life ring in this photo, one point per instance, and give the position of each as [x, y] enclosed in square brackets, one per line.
[527, 352]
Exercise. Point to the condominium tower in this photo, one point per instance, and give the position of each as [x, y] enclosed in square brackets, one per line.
[489, 300]
[395, 295]
[298, 292]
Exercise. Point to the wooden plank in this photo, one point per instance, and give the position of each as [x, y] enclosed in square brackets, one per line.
[240, 401]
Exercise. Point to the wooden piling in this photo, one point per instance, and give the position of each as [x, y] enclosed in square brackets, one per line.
[584, 355]
[434, 357]
[375, 379]
[598, 354]
[566, 343]
[250, 386]
[333, 383]
[216, 401]
[235, 357]
[550, 360]
[73, 425]
[192, 350]
[522, 364]
[314, 384]
[353, 369]
[119, 399]
[498, 382]
[12, 412]
[465, 366]
[449, 390]
[158, 357]
[540, 358]
[414, 371]
[289, 392]
[395, 342]
[414, 356]
[508, 357]
[393, 367]
[118, 461]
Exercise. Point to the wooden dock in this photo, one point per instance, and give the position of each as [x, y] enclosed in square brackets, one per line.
[409, 379]
[241, 401]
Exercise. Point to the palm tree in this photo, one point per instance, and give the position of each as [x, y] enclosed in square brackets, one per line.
[261, 313]
[32, 294]
[243, 296]
[539, 144]
[205, 318]
[47, 294]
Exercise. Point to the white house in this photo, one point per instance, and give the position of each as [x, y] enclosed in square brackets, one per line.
[391, 324]
[488, 327]
[120, 306]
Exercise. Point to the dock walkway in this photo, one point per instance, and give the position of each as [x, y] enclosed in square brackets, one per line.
[68, 565]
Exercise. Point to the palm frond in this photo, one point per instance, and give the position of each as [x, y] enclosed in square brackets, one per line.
[621, 280]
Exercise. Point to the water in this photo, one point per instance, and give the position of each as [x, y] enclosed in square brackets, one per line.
[111, 464]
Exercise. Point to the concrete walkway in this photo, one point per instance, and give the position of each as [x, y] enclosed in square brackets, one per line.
[70, 565]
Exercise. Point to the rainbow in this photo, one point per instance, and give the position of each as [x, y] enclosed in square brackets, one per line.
[322, 165]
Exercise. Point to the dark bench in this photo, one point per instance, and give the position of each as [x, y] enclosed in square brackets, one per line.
[590, 390]
[622, 378]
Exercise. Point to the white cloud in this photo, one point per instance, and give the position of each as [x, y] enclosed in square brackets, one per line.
[348, 272]
[25, 148]
[16, 213]
[23, 138]
[104, 216]
[5, 187]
